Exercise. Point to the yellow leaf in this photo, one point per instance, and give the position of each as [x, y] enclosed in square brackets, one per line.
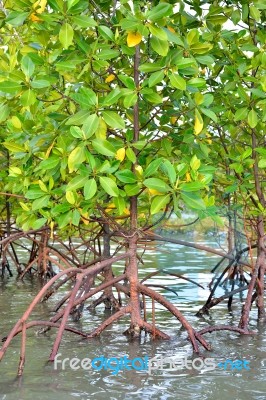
[198, 123]
[139, 170]
[126, 211]
[188, 177]
[42, 186]
[24, 206]
[70, 197]
[110, 207]
[208, 140]
[102, 129]
[154, 192]
[39, 6]
[171, 29]
[16, 122]
[199, 98]
[49, 149]
[14, 171]
[85, 221]
[52, 229]
[133, 39]
[173, 120]
[110, 78]
[120, 154]
[33, 17]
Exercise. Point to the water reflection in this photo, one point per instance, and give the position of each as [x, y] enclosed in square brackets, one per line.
[41, 381]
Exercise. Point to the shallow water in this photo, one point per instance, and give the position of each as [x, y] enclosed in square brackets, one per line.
[40, 379]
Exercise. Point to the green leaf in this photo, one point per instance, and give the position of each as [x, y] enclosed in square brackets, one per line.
[76, 132]
[14, 171]
[131, 155]
[16, 18]
[252, 118]
[205, 60]
[197, 82]
[28, 98]
[182, 63]
[130, 23]
[75, 217]
[262, 163]
[76, 157]
[158, 203]
[126, 176]
[61, 208]
[151, 96]
[178, 82]
[104, 147]
[195, 163]
[158, 32]
[120, 204]
[41, 202]
[35, 193]
[79, 118]
[77, 182]
[131, 190]
[39, 223]
[255, 13]
[127, 81]
[4, 112]
[157, 184]
[113, 119]
[237, 167]
[160, 46]
[27, 66]
[64, 219]
[217, 19]
[209, 114]
[70, 197]
[155, 78]
[106, 33]
[261, 150]
[86, 98]
[193, 201]
[159, 11]
[236, 16]
[83, 21]
[170, 170]
[50, 162]
[193, 36]
[13, 147]
[108, 54]
[246, 154]
[90, 188]
[112, 97]
[10, 87]
[109, 186]
[152, 167]
[39, 83]
[191, 186]
[71, 3]
[241, 114]
[66, 35]
[148, 67]
[90, 125]
[130, 99]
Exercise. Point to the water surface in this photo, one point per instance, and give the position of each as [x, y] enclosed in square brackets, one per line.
[42, 381]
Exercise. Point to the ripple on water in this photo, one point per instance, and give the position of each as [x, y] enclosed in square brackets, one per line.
[41, 380]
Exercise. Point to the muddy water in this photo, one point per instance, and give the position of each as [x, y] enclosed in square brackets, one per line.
[42, 381]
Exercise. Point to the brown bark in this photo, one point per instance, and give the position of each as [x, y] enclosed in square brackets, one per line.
[170, 307]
